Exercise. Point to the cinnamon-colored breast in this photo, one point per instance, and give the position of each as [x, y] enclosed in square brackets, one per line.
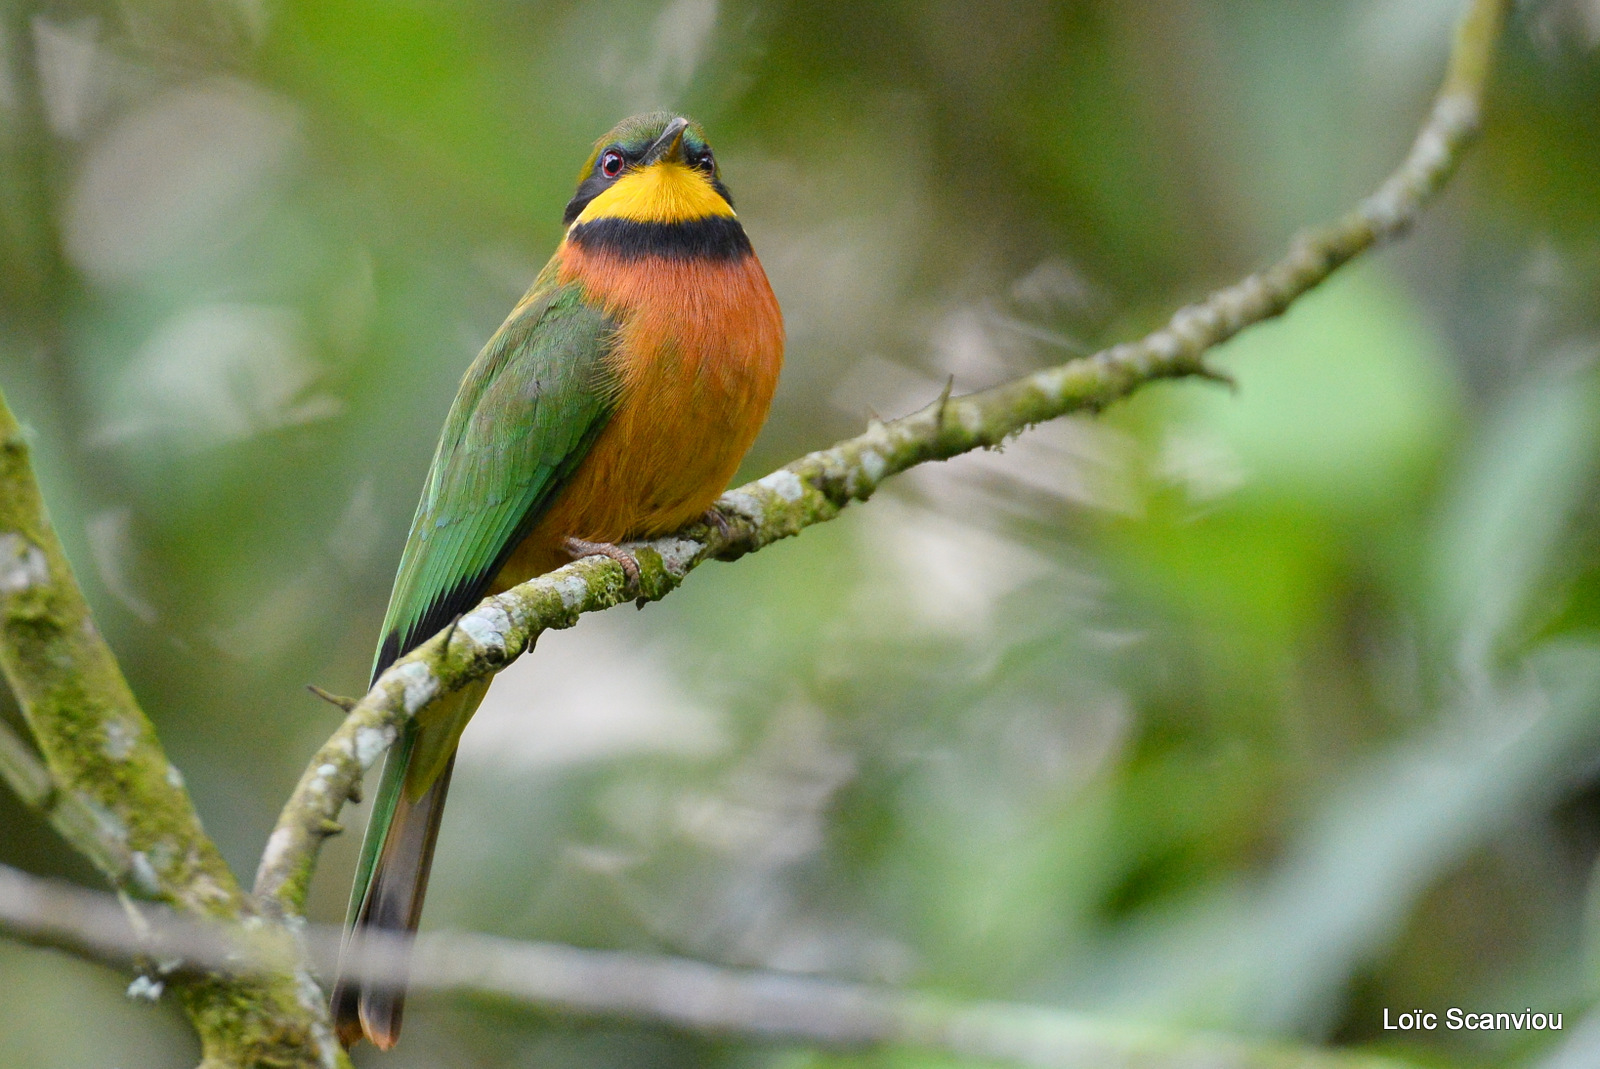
[696, 358]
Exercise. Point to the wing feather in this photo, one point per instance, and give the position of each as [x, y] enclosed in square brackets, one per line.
[527, 412]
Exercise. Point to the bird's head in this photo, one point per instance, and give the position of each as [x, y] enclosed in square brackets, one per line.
[654, 168]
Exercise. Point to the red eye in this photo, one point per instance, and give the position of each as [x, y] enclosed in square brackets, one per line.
[611, 163]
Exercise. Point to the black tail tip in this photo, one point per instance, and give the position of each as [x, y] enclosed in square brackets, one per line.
[365, 1014]
[380, 1017]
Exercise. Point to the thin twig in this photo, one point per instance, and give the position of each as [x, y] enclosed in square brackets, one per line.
[337, 700]
[69, 812]
[817, 487]
[24, 772]
[680, 993]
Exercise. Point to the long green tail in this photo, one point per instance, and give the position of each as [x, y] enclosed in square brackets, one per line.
[396, 855]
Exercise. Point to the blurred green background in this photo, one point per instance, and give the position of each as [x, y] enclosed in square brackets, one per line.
[1257, 711]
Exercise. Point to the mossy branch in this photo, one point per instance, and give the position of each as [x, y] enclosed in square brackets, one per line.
[99, 749]
[817, 487]
[99, 774]
[70, 813]
[106, 785]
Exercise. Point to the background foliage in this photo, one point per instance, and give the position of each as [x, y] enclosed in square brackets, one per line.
[1257, 712]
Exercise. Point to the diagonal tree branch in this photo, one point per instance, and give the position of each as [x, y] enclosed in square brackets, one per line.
[107, 787]
[680, 993]
[100, 751]
[104, 781]
[70, 813]
[817, 487]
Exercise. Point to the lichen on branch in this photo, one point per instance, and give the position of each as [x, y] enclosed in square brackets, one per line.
[99, 748]
[106, 785]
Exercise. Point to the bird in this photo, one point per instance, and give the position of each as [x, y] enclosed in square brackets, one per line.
[614, 403]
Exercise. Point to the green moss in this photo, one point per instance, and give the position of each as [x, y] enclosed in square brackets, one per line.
[248, 1023]
[103, 755]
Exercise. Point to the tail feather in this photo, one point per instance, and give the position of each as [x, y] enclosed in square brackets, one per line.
[396, 856]
[393, 903]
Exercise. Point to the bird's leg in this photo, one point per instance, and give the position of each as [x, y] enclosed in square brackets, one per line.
[579, 549]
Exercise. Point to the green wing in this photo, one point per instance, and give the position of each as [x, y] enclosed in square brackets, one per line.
[528, 410]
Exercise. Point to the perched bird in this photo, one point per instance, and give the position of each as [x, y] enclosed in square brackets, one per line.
[614, 403]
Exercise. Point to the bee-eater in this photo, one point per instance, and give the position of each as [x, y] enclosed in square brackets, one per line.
[614, 403]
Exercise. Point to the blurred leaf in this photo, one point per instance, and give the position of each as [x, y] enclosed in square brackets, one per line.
[1513, 503]
[1341, 404]
[1269, 952]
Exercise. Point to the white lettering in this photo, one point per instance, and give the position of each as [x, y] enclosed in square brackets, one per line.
[1455, 1019]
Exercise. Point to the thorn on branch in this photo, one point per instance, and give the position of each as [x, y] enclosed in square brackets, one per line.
[339, 700]
[944, 401]
[1205, 371]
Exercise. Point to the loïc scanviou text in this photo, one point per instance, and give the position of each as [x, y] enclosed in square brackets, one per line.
[1456, 1019]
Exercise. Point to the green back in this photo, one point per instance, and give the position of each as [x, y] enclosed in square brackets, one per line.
[527, 411]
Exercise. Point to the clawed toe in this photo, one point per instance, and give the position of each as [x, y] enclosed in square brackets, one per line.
[714, 517]
[579, 548]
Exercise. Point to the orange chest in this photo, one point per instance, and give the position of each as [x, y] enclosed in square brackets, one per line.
[696, 335]
[696, 357]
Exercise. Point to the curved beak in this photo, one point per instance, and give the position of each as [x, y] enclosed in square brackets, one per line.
[669, 146]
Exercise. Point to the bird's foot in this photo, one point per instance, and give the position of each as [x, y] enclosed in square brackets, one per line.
[715, 517]
[580, 548]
